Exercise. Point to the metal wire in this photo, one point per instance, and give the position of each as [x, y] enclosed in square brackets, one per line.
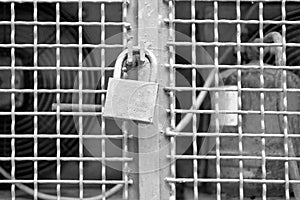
[125, 167]
[13, 102]
[172, 96]
[58, 79]
[239, 87]
[103, 144]
[64, 1]
[286, 148]
[35, 103]
[194, 98]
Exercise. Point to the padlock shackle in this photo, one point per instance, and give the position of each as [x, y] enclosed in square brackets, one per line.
[149, 54]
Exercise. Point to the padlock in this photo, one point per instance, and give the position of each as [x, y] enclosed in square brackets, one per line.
[132, 99]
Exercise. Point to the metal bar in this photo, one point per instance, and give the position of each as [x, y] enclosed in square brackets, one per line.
[219, 44]
[62, 68]
[167, 167]
[112, 159]
[126, 166]
[152, 158]
[262, 102]
[194, 99]
[52, 113]
[171, 37]
[58, 108]
[168, 111]
[212, 134]
[75, 107]
[266, 1]
[234, 180]
[148, 137]
[49, 23]
[166, 89]
[35, 102]
[13, 103]
[240, 117]
[103, 132]
[291, 168]
[121, 1]
[187, 66]
[225, 44]
[239, 112]
[129, 159]
[235, 158]
[73, 182]
[53, 91]
[230, 21]
[217, 100]
[66, 136]
[80, 87]
[286, 138]
[61, 45]
[64, 1]
[182, 89]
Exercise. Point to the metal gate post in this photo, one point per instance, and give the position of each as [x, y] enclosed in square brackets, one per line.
[164, 98]
[148, 138]
[153, 145]
[150, 147]
[133, 190]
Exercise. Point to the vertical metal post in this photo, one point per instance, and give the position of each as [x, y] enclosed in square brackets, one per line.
[13, 103]
[132, 168]
[35, 101]
[149, 147]
[163, 99]
[148, 136]
[154, 146]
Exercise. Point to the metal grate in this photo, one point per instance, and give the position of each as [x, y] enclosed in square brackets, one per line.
[228, 103]
[234, 62]
[54, 53]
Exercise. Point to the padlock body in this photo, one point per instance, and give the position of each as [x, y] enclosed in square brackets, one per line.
[130, 100]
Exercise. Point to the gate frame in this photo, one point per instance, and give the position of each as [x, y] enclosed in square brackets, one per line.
[147, 25]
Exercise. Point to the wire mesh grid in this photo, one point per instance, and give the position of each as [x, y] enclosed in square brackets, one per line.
[54, 53]
[240, 127]
[234, 98]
